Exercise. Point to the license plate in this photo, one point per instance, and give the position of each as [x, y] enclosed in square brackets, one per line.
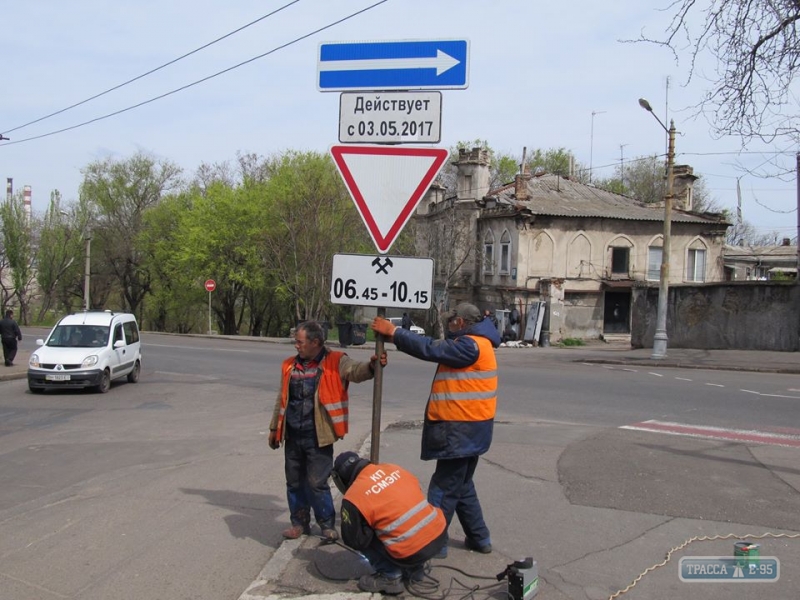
[57, 377]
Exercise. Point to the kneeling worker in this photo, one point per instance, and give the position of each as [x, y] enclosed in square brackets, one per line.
[386, 517]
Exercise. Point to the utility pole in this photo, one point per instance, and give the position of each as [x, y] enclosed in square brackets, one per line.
[660, 338]
[591, 142]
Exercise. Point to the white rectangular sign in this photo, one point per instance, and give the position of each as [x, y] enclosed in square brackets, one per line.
[388, 281]
[390, 117]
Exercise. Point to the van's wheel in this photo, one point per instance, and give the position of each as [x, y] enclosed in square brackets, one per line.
[133, 376]
[105, 382]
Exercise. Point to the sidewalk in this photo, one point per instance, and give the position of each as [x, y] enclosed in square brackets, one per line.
[585, 546]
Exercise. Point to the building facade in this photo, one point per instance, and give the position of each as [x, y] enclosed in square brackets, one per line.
[551, 239]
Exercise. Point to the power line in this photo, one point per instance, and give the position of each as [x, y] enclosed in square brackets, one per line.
[150, 72]
[199, 81]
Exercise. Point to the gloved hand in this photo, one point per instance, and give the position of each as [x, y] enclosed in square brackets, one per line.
[274, 442]
[384, 327]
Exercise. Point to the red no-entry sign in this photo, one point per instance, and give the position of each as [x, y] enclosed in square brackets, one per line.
[211, 285]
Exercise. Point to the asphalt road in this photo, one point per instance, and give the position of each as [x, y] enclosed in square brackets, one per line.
[166, 488]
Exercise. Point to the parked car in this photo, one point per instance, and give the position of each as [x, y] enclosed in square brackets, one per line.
[87, 349]
[399, 322]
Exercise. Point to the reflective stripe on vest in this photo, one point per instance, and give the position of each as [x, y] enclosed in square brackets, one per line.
[467, 394]
[392, 503]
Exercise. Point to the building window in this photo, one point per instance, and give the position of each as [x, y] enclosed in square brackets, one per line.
[619, 260]
[488, 253]
[505, 254]
[696, 265]
[654, 263]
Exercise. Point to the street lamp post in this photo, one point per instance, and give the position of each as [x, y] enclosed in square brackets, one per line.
[660, 339]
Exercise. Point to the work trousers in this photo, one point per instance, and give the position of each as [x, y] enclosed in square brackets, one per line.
[452, 489]
[9, 350]
[308, 468]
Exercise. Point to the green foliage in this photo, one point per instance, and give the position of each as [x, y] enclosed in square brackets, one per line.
[18, 250]
[572, 342]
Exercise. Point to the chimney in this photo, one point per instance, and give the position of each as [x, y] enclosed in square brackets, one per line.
[683, 179]
[786, 242]
[472, 178]
[26, 193]
[521, 178]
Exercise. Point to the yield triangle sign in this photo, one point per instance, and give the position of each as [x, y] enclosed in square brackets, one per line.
[387, 183]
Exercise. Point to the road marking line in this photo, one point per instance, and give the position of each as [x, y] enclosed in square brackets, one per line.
[716, 385]
[786, 437]
[682, 379]
[656, 374]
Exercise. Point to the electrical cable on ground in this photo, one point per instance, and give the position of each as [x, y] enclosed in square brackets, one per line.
[703, 538]
[428, 586]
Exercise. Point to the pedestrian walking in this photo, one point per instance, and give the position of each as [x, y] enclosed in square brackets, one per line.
[310, 414]
[9, 335]
[459, 415]
[385, 517]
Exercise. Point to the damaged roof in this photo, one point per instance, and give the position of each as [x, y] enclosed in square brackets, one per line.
[553, 195]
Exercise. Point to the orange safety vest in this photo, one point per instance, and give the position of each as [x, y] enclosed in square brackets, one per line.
[469, 393]
[331, 393]
[392, 503]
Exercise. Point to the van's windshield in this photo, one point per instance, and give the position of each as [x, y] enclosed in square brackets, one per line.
[78, 336]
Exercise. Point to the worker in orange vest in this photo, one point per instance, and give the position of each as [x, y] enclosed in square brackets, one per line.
[386, 518]
[459, 416]
[311, 412]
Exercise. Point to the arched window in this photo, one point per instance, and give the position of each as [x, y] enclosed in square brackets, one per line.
[654, 256]
[488, 253]
[505, 253]
[696, 261]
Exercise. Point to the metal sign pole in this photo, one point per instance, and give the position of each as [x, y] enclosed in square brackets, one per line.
[377, 396]
[209, 313]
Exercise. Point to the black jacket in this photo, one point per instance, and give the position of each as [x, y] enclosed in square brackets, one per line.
[9, 329]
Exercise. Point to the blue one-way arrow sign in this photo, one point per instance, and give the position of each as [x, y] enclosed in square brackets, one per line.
[402, 65]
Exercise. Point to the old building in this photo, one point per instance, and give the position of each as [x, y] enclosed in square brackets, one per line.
[761, 263]
[547, 238]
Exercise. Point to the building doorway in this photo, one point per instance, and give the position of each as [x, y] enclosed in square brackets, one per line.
[617, 312]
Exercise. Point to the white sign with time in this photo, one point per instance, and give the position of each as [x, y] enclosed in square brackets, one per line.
[388, 281]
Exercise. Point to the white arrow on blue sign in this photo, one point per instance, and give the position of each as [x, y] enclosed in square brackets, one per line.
[401, 65]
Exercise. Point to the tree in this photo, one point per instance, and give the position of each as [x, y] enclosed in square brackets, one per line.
[310, 218]
[17, 251]
[60, 247]
[756, 45]
[119, 193]
[644, 178]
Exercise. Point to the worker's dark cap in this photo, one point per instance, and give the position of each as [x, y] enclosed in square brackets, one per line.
[347, 465]
[465, 310]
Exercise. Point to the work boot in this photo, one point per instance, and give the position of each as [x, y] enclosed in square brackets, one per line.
[295, 531]
[473, 545]
[379, 583]
[329, 535]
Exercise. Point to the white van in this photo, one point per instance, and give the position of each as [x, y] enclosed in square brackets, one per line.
[87, 349]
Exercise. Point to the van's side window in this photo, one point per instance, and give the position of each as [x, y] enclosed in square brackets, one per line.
[131, 332]
[118, 333]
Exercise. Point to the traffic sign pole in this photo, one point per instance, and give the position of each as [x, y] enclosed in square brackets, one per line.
[386, 183]
[210, 286]
[377, 397]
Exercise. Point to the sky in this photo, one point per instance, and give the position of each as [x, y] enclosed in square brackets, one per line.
[541, 75]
